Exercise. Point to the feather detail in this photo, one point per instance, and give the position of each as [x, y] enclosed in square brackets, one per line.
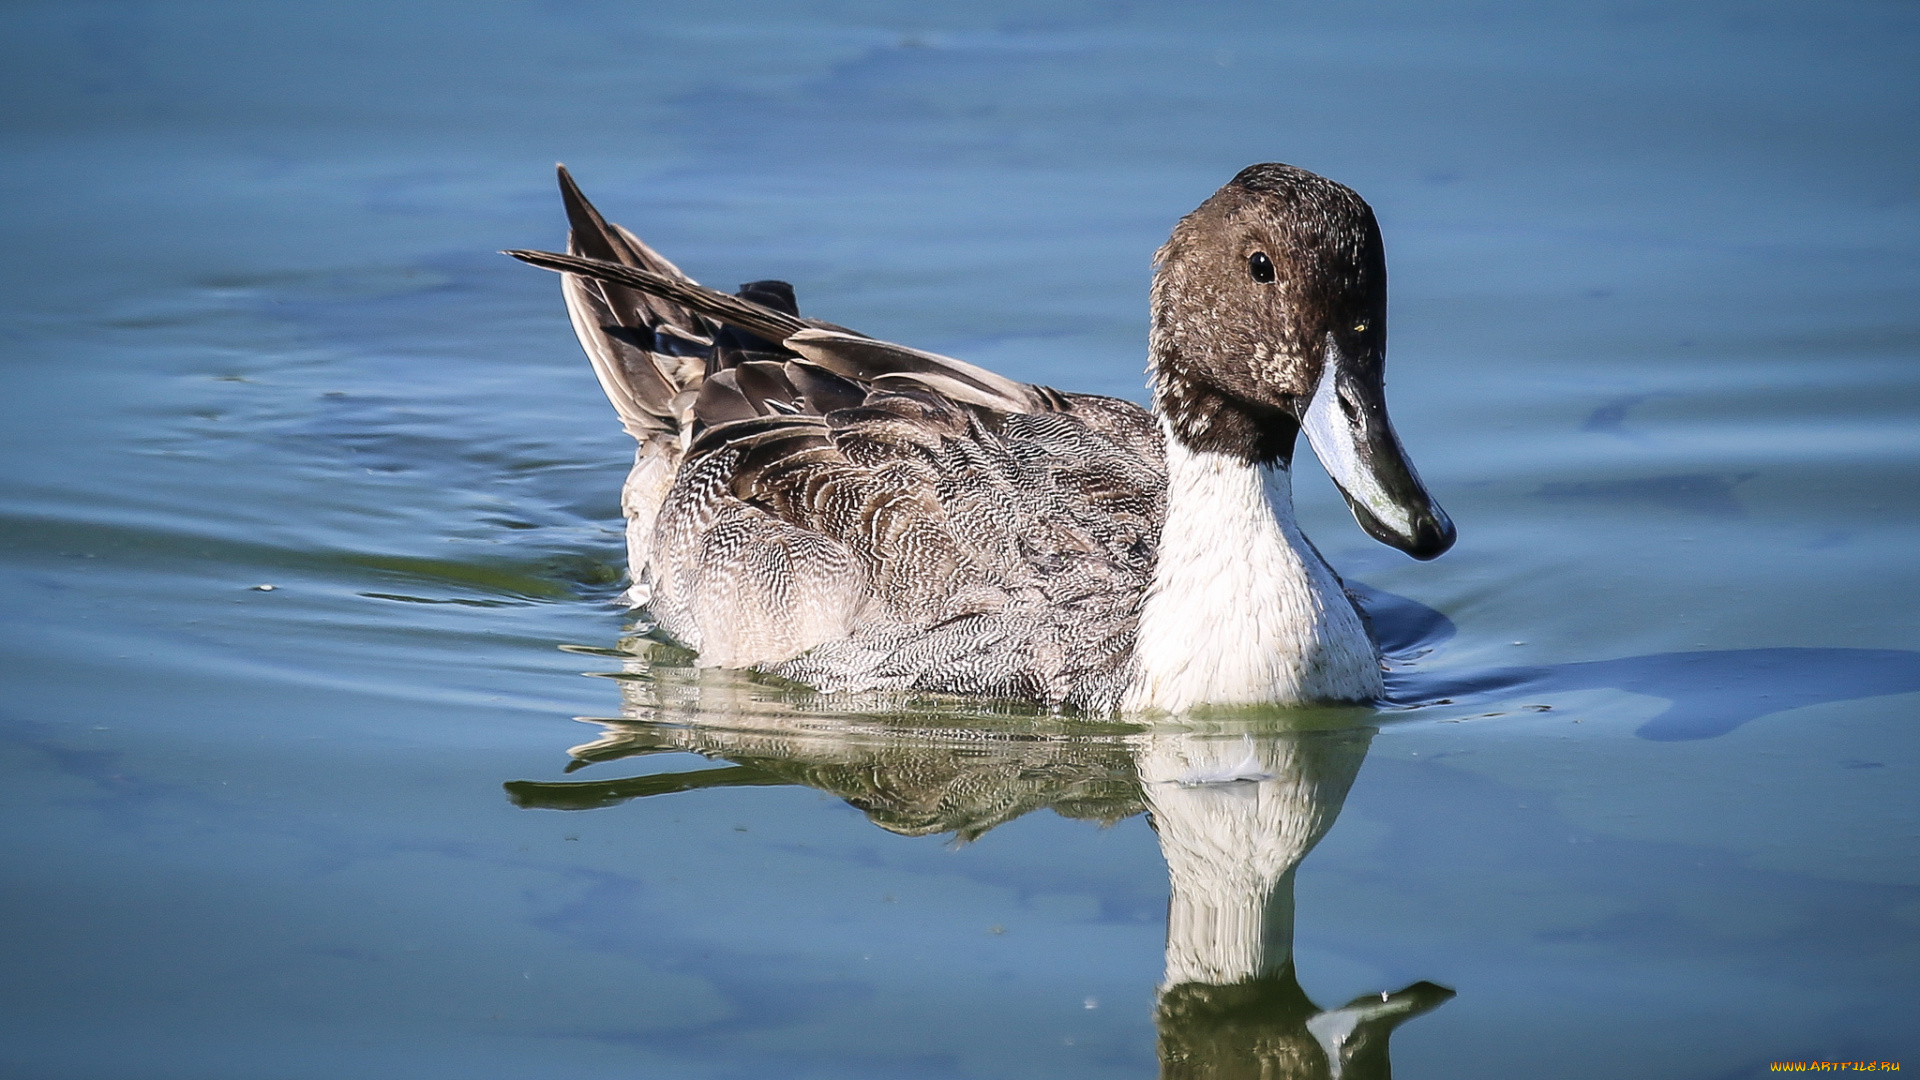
[863, 358]
[712, 303]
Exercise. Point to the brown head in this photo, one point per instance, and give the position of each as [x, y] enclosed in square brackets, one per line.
[1270, 317]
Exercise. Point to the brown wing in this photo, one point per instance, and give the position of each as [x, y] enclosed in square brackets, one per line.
[647, 350]
[855, 514]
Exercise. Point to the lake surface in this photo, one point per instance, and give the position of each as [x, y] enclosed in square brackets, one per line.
[1656, 318]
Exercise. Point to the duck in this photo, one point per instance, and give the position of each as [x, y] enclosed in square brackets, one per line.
[853, 515]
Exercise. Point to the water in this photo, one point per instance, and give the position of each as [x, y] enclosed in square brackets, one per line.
[1654, 348]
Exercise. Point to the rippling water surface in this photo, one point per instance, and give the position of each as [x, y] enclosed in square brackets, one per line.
[1654, 346]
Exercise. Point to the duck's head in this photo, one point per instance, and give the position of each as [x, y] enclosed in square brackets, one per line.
[1270, 317]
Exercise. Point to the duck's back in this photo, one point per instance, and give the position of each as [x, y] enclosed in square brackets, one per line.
[915, 542]
[852, 514]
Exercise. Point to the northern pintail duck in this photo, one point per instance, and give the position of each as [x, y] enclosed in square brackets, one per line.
[852, 514]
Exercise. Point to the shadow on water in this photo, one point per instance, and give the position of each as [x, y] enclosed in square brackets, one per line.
[1711, 693]
[1236, 804]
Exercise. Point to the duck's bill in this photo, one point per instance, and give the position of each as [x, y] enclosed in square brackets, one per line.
[1346, 423]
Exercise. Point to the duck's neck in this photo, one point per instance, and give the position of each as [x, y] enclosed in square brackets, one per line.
[1242, 609]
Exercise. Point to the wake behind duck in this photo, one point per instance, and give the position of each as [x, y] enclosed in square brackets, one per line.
[857, 515]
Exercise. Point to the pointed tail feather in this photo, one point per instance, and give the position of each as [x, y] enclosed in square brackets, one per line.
[648, 352]
[843, 352]
[656, 336]
[712, 303]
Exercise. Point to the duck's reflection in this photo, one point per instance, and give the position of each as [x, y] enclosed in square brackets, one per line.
[1236, 812]
[1237, 806]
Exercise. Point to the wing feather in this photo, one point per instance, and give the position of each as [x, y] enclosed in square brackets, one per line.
[856, 514]
[854, 357]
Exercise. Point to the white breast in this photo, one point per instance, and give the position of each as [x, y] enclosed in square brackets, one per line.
[1242, 609]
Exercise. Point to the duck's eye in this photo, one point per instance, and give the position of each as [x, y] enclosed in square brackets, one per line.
[1260, 267]
[1361, 326]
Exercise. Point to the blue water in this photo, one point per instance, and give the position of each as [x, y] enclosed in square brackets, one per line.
[1649, 805]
